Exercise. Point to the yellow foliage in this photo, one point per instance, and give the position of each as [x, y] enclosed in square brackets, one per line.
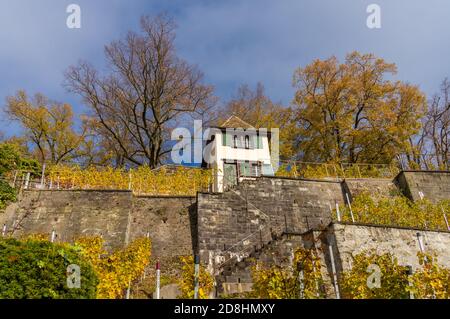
[352, 112]
[118, 269]
[142, 180]
[312, 280]
[333, 170]
[278, 282]
[432, 281]
[37, 237]
[393, 278]
[396, 211]
[428, 282]
[50, 124]
[273, 283]
[186, 281]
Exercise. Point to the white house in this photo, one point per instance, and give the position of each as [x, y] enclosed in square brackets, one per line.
[237, 151]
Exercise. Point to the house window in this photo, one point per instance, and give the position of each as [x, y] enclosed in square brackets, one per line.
[254, 169]
[247, 142]
[235, 141]
[267, 169]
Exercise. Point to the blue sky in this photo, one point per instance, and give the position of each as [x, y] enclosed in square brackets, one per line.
[232, 42]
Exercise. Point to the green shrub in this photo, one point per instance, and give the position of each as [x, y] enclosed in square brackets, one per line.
[9, 158]
[38, 269]
[7, 194]
[12, 158]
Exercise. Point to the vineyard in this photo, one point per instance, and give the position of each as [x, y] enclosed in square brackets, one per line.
[375, 276]
[334, 170]
[372, 276]
[180, 180]
[141, 180]
[395, 211]
[302, 280]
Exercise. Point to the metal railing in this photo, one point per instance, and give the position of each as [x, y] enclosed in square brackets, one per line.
[169, 182]
[298, 169]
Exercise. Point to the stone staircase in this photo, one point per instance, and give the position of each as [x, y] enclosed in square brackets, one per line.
[235, 276]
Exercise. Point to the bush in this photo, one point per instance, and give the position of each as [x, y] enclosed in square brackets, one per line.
[7, 194]
[9, 158]
[280, 282]
[12, 158]
[186, 283]
[118, 269]
[432, 281]
[393, 278]
[429, 281]
[38, 269]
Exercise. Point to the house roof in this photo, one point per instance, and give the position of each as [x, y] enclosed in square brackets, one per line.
[235, 122]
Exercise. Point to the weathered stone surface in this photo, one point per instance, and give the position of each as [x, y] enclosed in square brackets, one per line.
[72, 214]
[403, 243]
[117, 216]
[376, 186]
[171, 291]
[169, 221]
[232, 224]
[434, 186]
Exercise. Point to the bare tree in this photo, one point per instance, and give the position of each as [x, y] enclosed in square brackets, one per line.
[437, 126]
[146, 91]
[430, 148]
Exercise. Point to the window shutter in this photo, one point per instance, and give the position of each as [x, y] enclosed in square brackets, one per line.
[227, 139]
[252, 141]
[260, 143]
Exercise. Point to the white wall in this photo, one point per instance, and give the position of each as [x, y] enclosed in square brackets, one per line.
[223, 153]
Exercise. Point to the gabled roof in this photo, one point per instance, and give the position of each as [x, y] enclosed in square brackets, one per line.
[235, 122]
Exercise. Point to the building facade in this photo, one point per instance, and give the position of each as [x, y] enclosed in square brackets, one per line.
[235, 151]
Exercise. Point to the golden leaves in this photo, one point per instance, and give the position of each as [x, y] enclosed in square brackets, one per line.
[277, 282]
[49, 125]
[393, 278]
[118, 269]
[335, 170]
[186, 282]
[142, 180]
[428, 281]
[432, 280]
[350, 112]
[397, 211]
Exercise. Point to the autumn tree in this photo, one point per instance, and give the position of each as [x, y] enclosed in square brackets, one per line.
[147, 89]
[257, 109]
[97, 148]
[351, 111]
[48, 126]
